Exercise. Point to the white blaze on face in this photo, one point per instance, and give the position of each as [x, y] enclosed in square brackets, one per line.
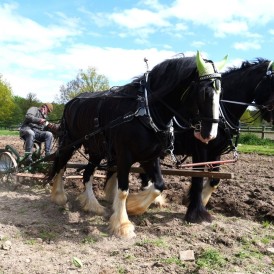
[216, 112]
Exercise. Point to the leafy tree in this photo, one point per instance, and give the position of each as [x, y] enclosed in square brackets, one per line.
[246, 118]
[252, 117]
[30, 101]
[57, 113]
[7, 105]
[88, 81]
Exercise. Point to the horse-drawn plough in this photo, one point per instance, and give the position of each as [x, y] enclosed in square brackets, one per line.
[12, 165]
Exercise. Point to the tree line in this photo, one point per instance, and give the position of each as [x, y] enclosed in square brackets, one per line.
[13, 108]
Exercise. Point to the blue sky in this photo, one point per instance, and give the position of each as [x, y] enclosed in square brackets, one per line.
[44, 44]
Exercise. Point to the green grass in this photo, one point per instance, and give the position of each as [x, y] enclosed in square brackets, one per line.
[250, 143]
[159, 242]
[211, 259]
[252, 139]
[263, 150]
[5, 132]
[173, 260]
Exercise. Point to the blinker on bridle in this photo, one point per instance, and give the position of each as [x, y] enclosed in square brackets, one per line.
[215, 77]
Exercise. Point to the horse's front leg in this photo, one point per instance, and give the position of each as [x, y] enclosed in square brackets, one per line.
[87, 199]
[58, 195]
[196, 212]
[119, 221]
[210, 185]
[138, 203]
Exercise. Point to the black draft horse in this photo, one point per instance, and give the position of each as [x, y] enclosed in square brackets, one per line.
[132, 124]
[241, 86]
[252, 82]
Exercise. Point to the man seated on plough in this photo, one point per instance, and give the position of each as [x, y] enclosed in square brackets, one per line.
[36, 128]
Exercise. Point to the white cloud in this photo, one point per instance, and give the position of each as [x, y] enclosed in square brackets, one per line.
[247, 45]
[137, 18]
[39, 58]
[232, 28]
[197, 44]
[28, 35]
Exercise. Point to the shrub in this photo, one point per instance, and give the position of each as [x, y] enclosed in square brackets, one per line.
[252, 139]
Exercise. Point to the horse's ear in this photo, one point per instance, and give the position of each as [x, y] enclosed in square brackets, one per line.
[221, 64]
[204, 68]
[201, 65]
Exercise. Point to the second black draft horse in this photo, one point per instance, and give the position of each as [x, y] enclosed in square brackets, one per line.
[251, 84]
[131, 124]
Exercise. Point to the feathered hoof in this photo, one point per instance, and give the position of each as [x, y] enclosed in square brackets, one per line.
[125, 230]
[59, 199]
[89, 205]
[160, 201]
[121, 230]
[198, 217]
[135, 211]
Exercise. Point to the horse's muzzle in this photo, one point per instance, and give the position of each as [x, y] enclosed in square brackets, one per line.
[199, 136]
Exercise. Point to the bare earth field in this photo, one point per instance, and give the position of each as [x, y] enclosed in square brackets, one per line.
[37, 236]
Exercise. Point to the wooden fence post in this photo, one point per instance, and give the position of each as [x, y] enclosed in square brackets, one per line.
[263, 132]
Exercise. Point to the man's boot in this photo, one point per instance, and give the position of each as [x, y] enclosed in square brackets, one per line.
[28, 158]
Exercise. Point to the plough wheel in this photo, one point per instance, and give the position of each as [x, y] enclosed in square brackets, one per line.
[8, 165]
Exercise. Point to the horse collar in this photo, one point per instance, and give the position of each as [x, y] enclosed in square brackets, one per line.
[143, 110]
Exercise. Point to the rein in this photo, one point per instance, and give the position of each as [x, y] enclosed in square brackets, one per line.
[268, 107]
[269, 73]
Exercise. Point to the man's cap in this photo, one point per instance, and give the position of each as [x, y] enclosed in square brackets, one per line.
[49, 106]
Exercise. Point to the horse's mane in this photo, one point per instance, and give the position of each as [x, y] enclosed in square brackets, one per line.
[176, 72]
[246, 65]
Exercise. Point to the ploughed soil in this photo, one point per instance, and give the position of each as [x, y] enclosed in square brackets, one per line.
[37, 236]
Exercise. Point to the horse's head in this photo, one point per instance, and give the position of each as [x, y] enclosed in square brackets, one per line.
[208, 90]
[264, 94]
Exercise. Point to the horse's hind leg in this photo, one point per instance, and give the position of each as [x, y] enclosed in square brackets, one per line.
[120, 224]
[87, 199]
[58, 195]
[111, 186]
[138, 203]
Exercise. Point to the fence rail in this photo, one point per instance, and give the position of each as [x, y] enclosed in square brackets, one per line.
[263, 131]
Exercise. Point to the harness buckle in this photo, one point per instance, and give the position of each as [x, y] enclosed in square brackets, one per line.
[198, 127]
[141, 112]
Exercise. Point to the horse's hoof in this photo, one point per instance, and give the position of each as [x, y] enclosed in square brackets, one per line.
[124, 230]
[60, 200]
[198, 218]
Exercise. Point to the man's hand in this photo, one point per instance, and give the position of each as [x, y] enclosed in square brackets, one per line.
[42, 121]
